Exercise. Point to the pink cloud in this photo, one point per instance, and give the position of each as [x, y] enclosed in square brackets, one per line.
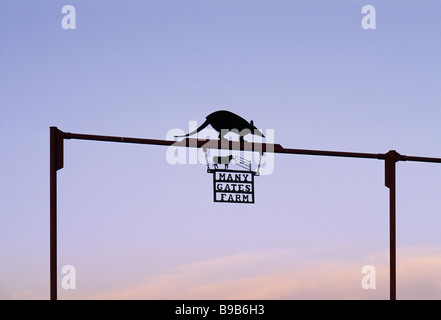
[291, 275]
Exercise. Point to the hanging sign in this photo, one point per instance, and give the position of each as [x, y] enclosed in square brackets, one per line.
[233, 186]
[230, 185]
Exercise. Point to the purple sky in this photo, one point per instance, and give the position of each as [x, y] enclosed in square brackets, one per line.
[135, 226]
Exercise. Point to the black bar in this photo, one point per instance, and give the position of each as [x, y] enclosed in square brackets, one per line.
[392, 157]
[243, 146]
[56, 163]
[421, 159]
[331, 153]
[53, 213]
[78, 136]
[392, 243]
[224, 144]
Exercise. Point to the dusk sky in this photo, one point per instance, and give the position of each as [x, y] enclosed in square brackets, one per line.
[136, 226]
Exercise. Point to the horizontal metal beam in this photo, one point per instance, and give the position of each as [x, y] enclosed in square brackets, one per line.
[421, 159]
[243, 146]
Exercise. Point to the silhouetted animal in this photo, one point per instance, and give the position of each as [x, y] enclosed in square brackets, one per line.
[225, 121]
[222, 160]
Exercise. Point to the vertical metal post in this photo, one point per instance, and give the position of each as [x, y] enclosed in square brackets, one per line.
[390, 176]
[56, 163]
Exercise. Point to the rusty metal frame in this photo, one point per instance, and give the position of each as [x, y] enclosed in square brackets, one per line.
[390, 158]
